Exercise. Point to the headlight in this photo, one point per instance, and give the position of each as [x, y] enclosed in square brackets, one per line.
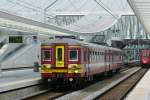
[76, 71]
[43, 67]
[48, 66]
[72, 66]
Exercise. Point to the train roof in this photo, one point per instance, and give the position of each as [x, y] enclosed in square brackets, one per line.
[77, 42]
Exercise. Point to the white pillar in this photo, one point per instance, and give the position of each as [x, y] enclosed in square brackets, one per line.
[0, 70]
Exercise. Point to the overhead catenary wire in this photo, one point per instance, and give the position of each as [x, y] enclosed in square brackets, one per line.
[103, 6]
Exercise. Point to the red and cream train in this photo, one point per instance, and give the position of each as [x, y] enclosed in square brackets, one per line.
[73, 60]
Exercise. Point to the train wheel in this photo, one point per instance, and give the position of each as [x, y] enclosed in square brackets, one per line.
[73, 84]
[45, 82]
[118, 70]
[114, 71]
[53, 83]
[77, 83]
[90, 78]
[110, 73]
[105, 73]
[82, 84]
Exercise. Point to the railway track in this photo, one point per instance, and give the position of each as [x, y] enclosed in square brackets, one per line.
[48, 95]
[52, 93]
[100, 87]
[124, 68]
[118, 92]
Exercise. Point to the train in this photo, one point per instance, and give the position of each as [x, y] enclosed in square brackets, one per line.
[73, 61]
[145, 58]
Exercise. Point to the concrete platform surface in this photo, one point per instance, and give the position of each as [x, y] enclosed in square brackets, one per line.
[18, 79]
[142, 90]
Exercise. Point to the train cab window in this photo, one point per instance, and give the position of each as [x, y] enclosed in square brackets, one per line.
[46, 55]
[73, 55]
[145, 54]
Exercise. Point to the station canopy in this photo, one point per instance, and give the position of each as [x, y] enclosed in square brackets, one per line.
[83, 16]
[142, 11]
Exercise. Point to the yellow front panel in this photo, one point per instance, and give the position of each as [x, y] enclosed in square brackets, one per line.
[54, 71]
[75, 68]
[59, 56]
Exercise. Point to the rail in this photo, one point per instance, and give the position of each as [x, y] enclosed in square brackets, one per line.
[119, 91]
[67, 94]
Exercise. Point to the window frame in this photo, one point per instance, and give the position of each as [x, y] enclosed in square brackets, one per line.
[59, 52]
[43, 56]
[77, 54]
[145, 54]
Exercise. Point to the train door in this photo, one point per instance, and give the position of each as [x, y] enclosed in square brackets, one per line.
[86, 60]
[109, 60]
[106, 60]
[59, 55]
[149, 56]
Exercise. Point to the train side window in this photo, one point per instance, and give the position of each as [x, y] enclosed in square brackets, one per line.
[73, 55]
[46, 55]
[85, 56]
[90, 56]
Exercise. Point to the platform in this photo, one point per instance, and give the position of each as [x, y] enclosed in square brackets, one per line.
[18, 78]
[142, 90]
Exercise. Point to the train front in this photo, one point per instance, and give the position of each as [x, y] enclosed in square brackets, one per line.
[145, 58]
[60, 61]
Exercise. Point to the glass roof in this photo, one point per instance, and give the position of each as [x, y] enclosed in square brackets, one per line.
[84, 16]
